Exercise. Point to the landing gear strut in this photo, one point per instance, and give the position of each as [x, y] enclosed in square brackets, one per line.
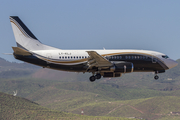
[93, 78]
[156, 76]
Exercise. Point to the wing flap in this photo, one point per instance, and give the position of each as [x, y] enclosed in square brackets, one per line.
[96, 60]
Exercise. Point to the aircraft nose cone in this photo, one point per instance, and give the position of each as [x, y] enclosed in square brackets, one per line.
[172, 64]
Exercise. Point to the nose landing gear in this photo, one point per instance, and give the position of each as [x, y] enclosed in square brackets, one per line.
[93, 78]
[156, 76]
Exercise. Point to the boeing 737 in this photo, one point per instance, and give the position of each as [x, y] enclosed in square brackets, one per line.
[106, 63]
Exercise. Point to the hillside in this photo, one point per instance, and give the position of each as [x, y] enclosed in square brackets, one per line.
[19, 108]
[13, 107]
[132, 95]
[104, 104]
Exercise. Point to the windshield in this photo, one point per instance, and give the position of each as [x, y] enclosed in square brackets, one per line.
[165, 56]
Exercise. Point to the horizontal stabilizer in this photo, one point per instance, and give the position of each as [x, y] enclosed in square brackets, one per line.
[8, 53]
[20, 51]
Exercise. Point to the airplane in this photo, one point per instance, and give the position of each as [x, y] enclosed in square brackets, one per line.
[106, 63]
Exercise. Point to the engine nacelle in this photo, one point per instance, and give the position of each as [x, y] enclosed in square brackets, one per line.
[111, 74]
[122, 67]
[118, 69]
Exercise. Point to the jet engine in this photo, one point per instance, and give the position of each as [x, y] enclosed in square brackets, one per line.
[119, 68]
[122, 67]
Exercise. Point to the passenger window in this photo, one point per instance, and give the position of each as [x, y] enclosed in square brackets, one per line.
[63, 57]
[80, 57]
[60, 57]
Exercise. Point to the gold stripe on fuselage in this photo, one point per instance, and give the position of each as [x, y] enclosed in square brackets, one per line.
[84, 60]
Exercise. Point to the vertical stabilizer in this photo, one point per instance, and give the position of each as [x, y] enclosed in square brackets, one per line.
[25, 39]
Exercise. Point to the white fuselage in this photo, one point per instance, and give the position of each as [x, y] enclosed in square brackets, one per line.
[73, 55]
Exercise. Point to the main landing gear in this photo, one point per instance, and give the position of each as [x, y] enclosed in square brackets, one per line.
[93, 78]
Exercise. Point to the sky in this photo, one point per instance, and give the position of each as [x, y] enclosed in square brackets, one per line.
[94, 24]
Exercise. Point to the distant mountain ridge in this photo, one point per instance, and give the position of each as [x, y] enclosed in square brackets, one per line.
[14, 70]
[6, 63]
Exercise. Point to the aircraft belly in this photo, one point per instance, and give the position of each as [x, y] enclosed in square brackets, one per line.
[147, 66]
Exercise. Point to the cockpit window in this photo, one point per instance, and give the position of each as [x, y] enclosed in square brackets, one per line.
[165, 56]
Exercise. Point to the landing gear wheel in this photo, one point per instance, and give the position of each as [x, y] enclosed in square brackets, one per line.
[156, 77]
[92, 78]
[98, 76]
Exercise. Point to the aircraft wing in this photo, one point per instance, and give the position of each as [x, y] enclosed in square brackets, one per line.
[96, 60]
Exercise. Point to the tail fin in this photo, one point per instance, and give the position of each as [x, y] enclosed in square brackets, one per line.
[25, 39]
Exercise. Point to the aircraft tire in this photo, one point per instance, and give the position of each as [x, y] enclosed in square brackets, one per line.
[92, 78]
[98, 76]
[156, 77]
